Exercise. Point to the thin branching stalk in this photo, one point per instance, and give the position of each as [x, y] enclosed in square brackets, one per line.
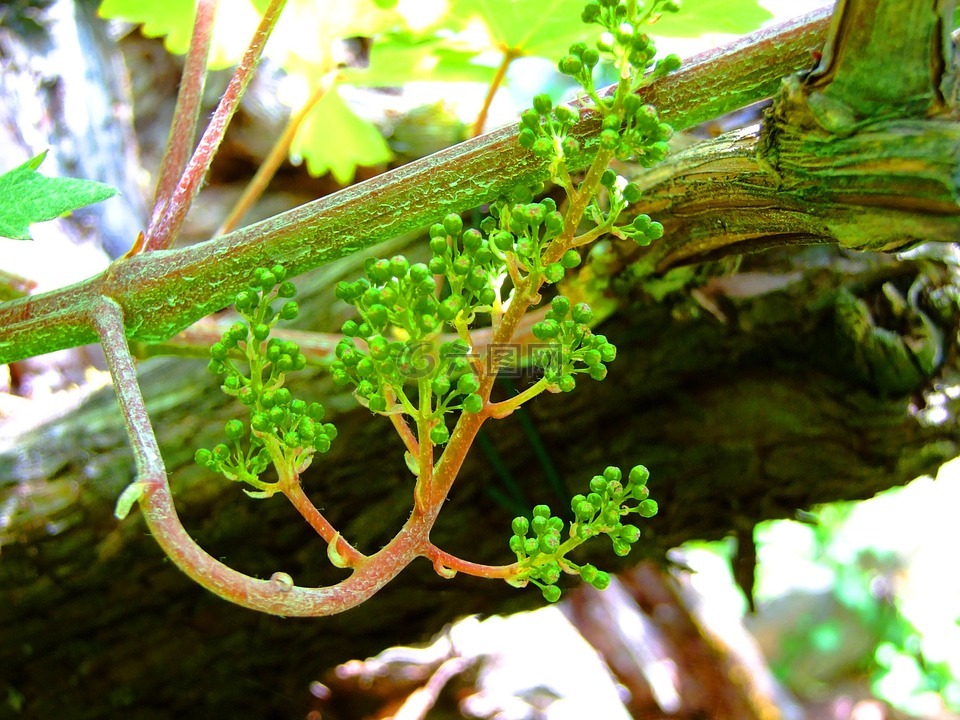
[442, 559]
[294, 492]
[277, 595]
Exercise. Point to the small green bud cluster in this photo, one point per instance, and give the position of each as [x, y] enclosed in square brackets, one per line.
[630, 128]
[573, 346]
[544, 129]
[638, 135]
[396, 295]
[642, 230]
[254, 304]
[280, 425]
[579, 63]
[541, 548]
[293, 422]
[379, 372]
[539, 554]
[232, 461]
[620, 194]
[526, 229]
[372, 371]
[473, 266]
[623, 37]
[454, 387]
[599, 512]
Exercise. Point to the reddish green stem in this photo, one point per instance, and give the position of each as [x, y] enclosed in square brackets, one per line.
[294, 491]
[278, 153]
[509, 55]
[106, 316]
[186, 114]
[173, 212]
[446, 561]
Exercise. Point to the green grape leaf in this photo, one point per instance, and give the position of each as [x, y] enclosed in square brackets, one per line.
[173, 20]
[27, 197]
[696, 17]
[544, 29]
[333, 138]
[307, 28]
[170, 19]
[397, 59]
[547, 29]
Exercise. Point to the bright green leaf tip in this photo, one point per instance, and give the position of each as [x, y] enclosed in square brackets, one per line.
[333, 555]
[130, 495]
[27, 197]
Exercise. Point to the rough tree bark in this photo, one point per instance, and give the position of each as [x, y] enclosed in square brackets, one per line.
[750, 386]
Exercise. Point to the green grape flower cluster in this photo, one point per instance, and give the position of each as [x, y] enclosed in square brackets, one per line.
[630, 128]
[623, 39]
[473, 266]
[574, 348]
[400, 317]
[281, 429]
[394, 356]
[541, 548]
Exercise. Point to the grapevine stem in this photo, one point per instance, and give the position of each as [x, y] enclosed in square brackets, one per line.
[292, 488]
[708, 85]
[509, 55]
[183, 131]
[452, 562]
[171, 214]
